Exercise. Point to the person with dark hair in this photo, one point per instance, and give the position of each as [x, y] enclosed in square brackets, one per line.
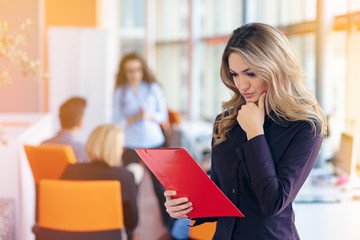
[266, 139]
[140, 108]
[71, 114]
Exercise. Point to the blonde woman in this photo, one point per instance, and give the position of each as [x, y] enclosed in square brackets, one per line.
[266, 139]
[104, 149]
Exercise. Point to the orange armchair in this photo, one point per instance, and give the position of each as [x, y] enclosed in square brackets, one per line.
[203, 231]
[49, 161]
[71, 209]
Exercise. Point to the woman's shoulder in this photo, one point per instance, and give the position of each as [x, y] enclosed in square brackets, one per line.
[122, 171]
[121, 88]
[73, 170]
[305, 124]
[306, 129]
[218, 120]
[78, 165]
[152, 85]
[123, 175]
[222, 115]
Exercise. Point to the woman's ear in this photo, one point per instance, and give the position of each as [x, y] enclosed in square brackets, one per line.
[80, 123]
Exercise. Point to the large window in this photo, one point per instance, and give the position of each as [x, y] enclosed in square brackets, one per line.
[217, 17]
[172, 73]
[189, 37]
[304, 46]
[131, 26]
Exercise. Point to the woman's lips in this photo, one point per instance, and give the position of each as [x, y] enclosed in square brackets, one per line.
[248, 95]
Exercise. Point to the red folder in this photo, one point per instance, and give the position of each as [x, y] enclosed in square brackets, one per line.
[177, 170]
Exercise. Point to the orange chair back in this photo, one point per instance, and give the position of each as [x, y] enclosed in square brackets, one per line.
[49, 161]
[80, 206]
[174, 117]
[203, 231]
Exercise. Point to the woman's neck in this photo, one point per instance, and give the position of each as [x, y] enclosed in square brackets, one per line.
[134, 85]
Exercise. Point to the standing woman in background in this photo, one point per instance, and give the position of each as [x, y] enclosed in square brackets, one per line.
[265, 141]
[139, 106]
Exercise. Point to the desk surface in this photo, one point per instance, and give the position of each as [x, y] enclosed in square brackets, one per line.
[330, 221]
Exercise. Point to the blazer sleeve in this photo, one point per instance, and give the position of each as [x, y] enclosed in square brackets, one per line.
[276, 186]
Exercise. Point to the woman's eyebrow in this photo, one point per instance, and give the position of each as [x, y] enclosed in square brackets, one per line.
[243, 71]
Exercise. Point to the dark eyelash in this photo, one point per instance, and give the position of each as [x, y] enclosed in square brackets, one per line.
[251, 74]
[233, 74]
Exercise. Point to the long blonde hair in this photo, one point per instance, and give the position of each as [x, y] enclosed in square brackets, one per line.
[106, 144]
[269, 54]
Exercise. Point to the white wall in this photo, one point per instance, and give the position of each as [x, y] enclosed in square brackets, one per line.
[81, 63]
[17, 181]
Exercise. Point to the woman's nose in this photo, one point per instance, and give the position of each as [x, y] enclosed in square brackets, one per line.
[242, 84]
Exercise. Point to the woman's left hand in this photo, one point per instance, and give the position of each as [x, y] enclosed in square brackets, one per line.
[251, 117]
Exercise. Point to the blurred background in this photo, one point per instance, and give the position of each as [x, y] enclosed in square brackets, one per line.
[79, 44]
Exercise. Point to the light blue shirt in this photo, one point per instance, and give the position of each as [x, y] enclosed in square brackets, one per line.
[67, 138]
[144, 133]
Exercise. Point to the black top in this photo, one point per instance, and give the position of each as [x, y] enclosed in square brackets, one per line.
[262, 178]
[101, 171]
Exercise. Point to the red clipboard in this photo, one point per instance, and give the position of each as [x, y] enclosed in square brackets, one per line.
[177, 170]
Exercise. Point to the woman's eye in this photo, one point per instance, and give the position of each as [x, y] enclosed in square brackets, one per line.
[233, 74]
[250, 74]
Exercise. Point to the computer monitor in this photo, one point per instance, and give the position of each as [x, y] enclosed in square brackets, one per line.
[346, 157]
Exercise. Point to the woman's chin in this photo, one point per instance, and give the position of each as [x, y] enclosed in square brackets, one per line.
[251, 100]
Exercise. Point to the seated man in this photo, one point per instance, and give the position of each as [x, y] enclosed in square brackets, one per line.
[71, 115]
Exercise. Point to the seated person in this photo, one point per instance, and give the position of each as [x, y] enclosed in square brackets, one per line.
[71, 116]
[104, 149]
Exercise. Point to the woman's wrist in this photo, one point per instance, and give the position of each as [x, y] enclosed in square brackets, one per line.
[150, 117]
[252, 134]
[132, 119]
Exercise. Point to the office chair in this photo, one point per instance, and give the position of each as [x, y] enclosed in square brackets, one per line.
[73, 209]
[49, 161]
[172, 138]
[203, 231]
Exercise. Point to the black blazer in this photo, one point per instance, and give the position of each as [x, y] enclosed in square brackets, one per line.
[101, 171]
[262, 178]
